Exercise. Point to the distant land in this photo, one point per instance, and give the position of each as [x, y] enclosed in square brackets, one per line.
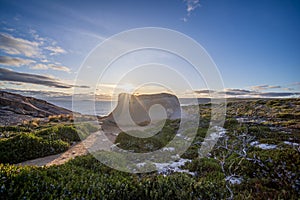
[15, 108]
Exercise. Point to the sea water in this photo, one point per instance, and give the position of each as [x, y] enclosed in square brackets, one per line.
[103, 108]
[100, 108]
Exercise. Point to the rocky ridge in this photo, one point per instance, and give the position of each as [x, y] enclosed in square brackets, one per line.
[15, 108]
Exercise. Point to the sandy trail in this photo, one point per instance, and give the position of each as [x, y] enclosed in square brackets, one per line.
[96, 141]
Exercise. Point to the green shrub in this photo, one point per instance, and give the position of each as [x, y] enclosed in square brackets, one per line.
[205, 167]
[231, 123]
[14, 129]
[66, 133]
[47, 141]
[142, 145]
[85, 177]
[28, 146]
[85, 129]
[265, 174]
[10, 131]
[288, 115]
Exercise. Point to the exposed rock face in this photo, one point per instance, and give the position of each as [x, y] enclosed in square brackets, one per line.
[139, 108]
[15, 108]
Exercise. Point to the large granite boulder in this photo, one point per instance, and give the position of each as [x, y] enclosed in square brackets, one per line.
[141, 109]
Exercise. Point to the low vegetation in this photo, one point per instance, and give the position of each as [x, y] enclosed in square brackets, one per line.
[28, 144]
[149, 144]
[258, 157]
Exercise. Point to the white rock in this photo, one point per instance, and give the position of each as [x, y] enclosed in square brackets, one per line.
[174, 166]
[267, 146]
[234, 180]
[291, 143]
[170, 149]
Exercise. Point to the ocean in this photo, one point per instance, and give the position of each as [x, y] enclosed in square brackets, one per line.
[100, 108]
[103, 108]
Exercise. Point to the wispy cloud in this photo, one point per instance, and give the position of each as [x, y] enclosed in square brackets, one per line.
[242, 93]
[286, 87]
[228, 92]
[47, 44]
[35, 51]
[191, 5]
[235, 92]
[37, 37]
[11, 83]
[9, 29]
[15, 61]
[295, 84]
[278, 94]
[55, 50]
[47, 94]
[9, 75]
[265, 87]
[59, 67]
[18, 46]
[61, 96]
[204, 91]
[41, 66]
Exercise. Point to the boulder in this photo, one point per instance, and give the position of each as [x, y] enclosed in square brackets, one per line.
[141, 109]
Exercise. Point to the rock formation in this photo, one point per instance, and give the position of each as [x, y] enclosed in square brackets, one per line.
[15, 108]
[142, 108]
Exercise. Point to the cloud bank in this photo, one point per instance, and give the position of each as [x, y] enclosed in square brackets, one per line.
[9, 75]
[59, 96]
[34, 52]
[270, 87]
[55, 50]
[41, 66]
[241, 93]
[17, 46]
[15, 61]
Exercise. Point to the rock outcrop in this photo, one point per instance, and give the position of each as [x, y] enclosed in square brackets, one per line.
[15, 108]
[140, 109]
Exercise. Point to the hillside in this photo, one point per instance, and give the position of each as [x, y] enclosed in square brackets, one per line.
[257, 156]
[15, 108]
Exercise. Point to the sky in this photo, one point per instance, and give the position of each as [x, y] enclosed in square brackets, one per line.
[254, 44]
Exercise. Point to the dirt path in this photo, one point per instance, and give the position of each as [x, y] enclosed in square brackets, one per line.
[96, 141]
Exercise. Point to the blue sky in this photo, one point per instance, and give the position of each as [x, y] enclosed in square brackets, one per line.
[255, 44]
